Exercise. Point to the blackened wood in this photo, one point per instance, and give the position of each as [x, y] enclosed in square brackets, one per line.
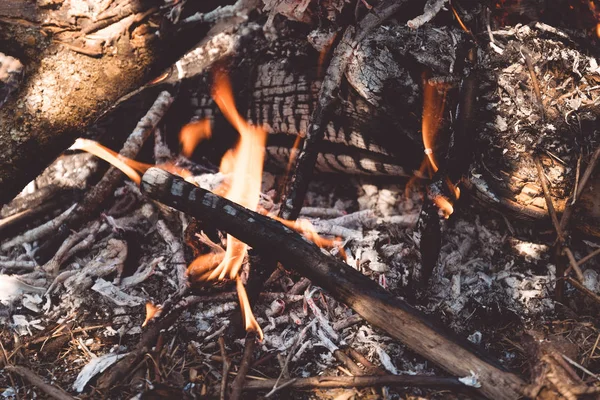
[366, 297]
[298, 184]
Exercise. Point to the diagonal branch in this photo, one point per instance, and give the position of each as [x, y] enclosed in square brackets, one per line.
[375, 304]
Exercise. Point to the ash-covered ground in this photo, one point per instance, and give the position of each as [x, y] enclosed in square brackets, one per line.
[493, 285]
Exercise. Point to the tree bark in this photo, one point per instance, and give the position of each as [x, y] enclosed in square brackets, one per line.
[70, 78]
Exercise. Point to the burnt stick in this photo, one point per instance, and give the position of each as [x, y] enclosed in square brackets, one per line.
[375, 304]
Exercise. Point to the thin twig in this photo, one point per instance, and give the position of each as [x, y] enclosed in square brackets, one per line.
[37, 381]
[588, 257]
[431, 9]
[322, 382]
[238, 382]
[178, 256]
[40, 232]
[564, 221]
[583, 289]
[226, 367]
[573, 264]
[534, 80]
[94, 198]
[370, 368]
[348, 362]
[551, 210]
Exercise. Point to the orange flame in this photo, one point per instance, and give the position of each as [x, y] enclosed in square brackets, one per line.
[245, 164]
[192, 134]
[433, 108]
[444, 205]
[129, 167]
[152, 312]
[109, 156]
[249, 320]
[460, 22]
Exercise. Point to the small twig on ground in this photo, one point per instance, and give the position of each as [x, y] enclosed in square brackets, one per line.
[12, 223]
[346, 322]
[564, 221]
[549, 204]
[348, 362]
[240, 9]
[581, 367]
[37, 381]
[238, 382]
[431, 9]
[588, 257]
[74, 243]
[328, 382]
[226, 366]
[583, 289]
[329, 229]
[573, 264]
[370, 368]
[299, 287]
[321, 212]
[178, 256]
[534, 81]
[364, 218]
[40, 232]
[16, 264]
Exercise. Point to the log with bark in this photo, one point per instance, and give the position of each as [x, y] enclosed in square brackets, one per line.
[62, 67]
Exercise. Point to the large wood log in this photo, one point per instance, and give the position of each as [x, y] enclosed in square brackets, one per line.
[76, 64]
[376, 305]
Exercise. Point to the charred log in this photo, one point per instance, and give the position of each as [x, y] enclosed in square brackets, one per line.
[366, 297]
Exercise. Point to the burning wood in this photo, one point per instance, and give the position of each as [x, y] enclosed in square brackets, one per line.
[509, 114]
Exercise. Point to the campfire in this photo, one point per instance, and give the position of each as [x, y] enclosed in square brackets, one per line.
[300, 199]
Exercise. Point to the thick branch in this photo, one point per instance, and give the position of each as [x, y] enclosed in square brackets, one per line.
[366, 297]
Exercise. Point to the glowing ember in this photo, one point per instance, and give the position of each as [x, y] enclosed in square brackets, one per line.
[152, 312]
[192, 134]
